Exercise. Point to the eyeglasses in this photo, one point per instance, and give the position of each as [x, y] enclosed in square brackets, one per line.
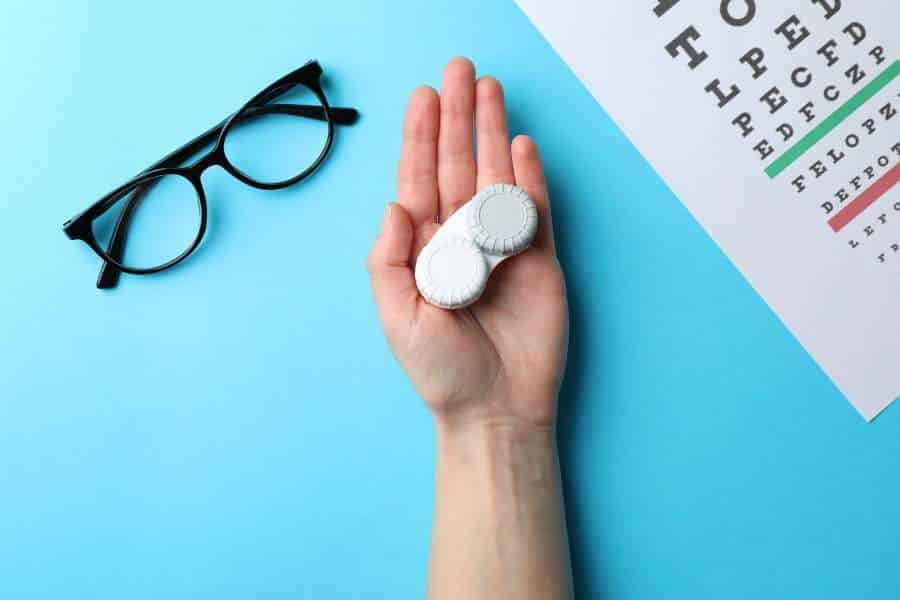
[162, 211]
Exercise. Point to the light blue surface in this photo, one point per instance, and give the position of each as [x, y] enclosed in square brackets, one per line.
[237, 428]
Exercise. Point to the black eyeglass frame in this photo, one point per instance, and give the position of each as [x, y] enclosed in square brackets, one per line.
[81, 226]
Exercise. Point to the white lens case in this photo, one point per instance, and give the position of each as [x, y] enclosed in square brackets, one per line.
[453, 268]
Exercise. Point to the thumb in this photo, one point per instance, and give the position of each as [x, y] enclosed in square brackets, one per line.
[393, 283]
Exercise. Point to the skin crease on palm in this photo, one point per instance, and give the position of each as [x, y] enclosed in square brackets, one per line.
[500, 361]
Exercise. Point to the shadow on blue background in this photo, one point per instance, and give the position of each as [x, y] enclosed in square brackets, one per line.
[236, 428]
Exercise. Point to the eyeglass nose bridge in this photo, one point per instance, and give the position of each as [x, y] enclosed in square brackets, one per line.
[216, 158]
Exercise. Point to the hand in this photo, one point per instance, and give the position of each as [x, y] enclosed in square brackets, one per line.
[500, 361]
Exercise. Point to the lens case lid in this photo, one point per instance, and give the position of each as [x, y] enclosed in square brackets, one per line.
[452, 270]
[503, 219]
[451, 274]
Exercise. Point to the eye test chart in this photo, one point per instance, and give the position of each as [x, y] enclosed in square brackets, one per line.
[777, 124]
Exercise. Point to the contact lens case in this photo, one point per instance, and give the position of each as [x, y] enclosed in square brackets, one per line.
[453, 269]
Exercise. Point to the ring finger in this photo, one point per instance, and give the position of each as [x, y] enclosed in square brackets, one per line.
[494, 157]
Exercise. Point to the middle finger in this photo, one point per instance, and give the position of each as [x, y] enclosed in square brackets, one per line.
[456, 155]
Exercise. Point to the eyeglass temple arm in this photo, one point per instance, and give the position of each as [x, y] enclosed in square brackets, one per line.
[109, 273]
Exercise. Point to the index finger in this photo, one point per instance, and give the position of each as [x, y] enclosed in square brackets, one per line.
[417, 183]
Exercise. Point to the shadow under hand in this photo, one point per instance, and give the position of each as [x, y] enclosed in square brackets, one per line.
[573, 427]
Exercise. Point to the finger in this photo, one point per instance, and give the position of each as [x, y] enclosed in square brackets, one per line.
[421, 238]
[530, 177]
[456, 154]
[393, 283]
[494, 158]
[417, 185]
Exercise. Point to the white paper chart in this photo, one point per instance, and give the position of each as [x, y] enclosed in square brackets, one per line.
[778, 125]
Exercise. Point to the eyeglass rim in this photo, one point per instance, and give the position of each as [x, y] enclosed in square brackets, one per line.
[315, 87]
[195, 182]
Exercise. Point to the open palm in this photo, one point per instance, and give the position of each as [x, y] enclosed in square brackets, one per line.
[500, 360]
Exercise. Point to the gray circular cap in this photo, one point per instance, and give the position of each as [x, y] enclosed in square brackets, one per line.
[451, 274]
[503, 219]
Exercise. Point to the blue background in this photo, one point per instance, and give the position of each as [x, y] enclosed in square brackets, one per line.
[236, 428]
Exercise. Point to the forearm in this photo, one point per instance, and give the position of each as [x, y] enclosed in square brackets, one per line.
[499, 527]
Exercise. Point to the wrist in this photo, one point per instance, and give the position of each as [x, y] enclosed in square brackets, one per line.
[499, 414]
[492, 440]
